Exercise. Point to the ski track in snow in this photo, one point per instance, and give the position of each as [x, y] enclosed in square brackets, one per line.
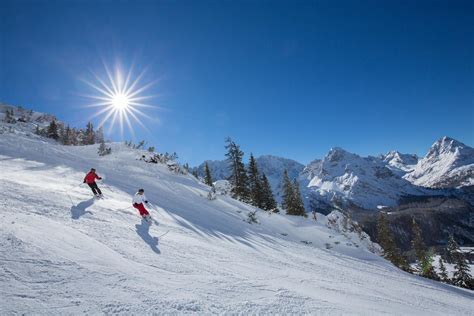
[63, 252]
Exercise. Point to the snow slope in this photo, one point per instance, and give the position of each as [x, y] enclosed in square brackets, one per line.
[62, 252]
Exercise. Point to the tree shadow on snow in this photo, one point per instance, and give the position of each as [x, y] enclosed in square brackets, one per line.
[80, 209]
[143, 230]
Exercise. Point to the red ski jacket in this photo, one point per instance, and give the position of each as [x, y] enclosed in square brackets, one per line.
[90, 177]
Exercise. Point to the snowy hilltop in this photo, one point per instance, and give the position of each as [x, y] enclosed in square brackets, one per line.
[65, 252]
[398, 162]
[366, 182]
[449, 163]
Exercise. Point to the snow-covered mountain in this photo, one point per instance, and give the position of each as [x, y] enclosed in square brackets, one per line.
[400, 163]
[63, 252]
[449, 163]
[219, 169]
[364, 181]
[369, 182]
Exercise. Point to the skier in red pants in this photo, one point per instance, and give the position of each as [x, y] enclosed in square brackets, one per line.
[138, 199]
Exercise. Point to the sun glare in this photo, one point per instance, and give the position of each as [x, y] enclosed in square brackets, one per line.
[120, 99]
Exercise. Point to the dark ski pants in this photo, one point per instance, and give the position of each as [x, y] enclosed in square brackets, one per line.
[141, 208]
[95, 189]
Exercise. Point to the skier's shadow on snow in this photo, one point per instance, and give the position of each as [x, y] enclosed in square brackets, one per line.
[143, 230]
[80, 209]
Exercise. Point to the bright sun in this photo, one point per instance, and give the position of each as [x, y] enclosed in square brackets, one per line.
[119, 98]
[120, 101]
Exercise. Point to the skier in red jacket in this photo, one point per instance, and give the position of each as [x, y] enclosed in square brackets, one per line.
[90, 180]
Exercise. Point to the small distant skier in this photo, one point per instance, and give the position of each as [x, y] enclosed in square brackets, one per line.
[138, 199]
[90, 180]
[314, 215]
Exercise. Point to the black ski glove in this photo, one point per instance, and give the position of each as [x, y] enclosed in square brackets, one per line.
[146, 202]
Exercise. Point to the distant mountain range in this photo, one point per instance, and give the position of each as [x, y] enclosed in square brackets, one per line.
[370, 183]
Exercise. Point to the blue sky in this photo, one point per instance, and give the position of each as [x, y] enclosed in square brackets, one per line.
[290, 78]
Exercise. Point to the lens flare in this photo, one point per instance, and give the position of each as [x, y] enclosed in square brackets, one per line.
[120, 98]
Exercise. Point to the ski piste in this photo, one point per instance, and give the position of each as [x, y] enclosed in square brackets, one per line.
[57, 258]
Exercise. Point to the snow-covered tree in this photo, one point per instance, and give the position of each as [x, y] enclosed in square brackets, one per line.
[238, 176]
[140, 145]
[452, 249]
[66, 136]
[52, 131]
[207, 175]
[151, 149]
[9, 117]
[212, 195]
[88, 137]
[103, 150]
[443, 273]
[99, 135]
[462, 274]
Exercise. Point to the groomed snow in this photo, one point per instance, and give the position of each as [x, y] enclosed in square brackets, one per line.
[62, 252]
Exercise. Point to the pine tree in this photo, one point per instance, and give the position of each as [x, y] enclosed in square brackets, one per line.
[89, 135]
[9, 117]
[66, 136]
[386, 240]
[140, 145]
[425, 259]
[74, 140]
[103, 150]
[52, 131]
[195, 174]
[298, 205]
[255, 186]
[451, 249]
[207, 175]
[99, 135]
[428, 270]
[269, 202]
[288, 193]
[418, 244]
[462, 275]
[151, 149]
[238, 177]
[443, 273]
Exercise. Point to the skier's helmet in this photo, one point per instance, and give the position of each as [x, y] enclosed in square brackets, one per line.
[92, 169]
[141, 191]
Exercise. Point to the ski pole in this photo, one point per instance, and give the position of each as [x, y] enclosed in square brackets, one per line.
[70, 199]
